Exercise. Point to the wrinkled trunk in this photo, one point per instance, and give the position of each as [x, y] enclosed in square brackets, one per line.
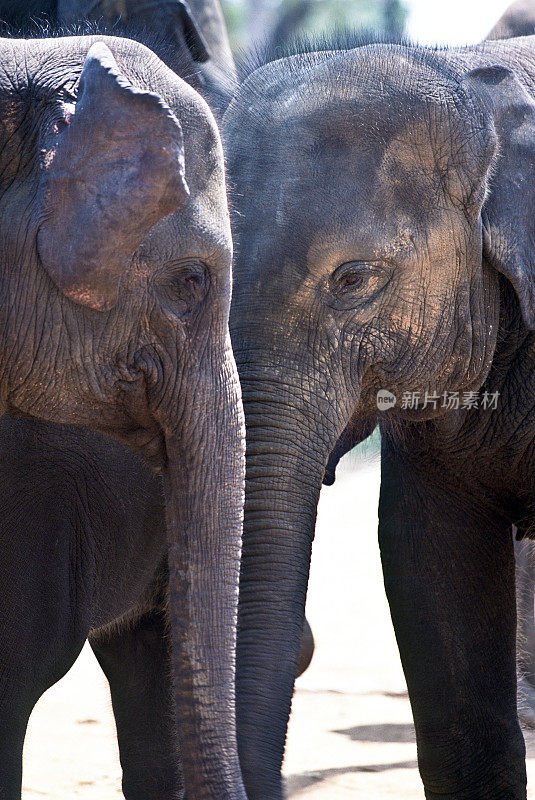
[284, 471]
[204, 492]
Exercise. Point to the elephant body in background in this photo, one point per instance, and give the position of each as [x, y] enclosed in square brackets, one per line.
[84, 551]
[191, 38]
[518, 20]
[115, 282]
[384, 221]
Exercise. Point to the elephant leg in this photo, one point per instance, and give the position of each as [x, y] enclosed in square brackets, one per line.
[449, 573]
[13, 723]
[136, 660]
[25, 674]
[525, 594]
[43, 616]
[525, 591]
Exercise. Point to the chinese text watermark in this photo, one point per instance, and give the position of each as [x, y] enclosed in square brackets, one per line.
[452, 401]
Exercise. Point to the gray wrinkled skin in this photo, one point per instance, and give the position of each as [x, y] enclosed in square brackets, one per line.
[193, 41]
[384, 230]
[147, 362]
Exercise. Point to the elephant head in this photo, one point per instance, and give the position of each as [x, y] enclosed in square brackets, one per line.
[379, 194]
[115, 283]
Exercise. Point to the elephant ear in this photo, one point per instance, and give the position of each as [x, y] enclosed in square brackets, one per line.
[113, 170]
[508, 213]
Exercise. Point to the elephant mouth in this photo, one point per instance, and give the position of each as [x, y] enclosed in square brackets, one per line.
[146, 439]
[150, 445]
[138, 426]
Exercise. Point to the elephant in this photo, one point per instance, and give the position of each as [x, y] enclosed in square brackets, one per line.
[190, 37]
[122, 435]
[384, 273]
[214, 78]
[518, 20]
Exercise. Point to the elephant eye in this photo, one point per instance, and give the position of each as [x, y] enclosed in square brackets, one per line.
[185, 286]
[351, 279]
[356, 282]
[193, 277]
[352, 275]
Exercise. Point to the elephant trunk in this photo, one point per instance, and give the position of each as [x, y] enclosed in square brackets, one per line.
[204, 497]
[283, 481]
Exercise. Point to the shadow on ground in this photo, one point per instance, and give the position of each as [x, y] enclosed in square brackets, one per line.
[387, 732]
[296, 783]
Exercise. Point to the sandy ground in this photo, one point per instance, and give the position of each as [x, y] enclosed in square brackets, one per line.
[351, 734]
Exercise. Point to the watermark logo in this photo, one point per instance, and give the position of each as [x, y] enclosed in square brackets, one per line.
[453, 401]
[385, 400]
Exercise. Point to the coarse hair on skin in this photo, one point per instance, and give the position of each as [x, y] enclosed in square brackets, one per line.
[299, 55]
[335, 41]
[274, 63]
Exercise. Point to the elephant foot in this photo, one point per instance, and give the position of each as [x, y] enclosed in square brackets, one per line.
[526, 702]
[307, 649]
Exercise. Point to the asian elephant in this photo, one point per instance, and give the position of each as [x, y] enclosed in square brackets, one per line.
[519, 20]
[211, 71]
[385, 243]
[190, 37]
[115, 285]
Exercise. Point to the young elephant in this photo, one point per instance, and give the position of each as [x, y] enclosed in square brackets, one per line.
[386, 242]
[115, 283]
[519, 20]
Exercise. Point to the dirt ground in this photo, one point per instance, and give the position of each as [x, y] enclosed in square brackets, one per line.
[351, 735]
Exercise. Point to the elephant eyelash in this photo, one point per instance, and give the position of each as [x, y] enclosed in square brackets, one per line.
[183, 286]
[356, 283]
[353, 274]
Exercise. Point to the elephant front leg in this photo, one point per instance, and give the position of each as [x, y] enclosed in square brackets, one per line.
[136, 661]
[13, 723]
[450, 578]
[525, 585]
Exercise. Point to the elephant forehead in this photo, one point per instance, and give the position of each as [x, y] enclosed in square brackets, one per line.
[200, 230]
[313, 179]
[400, 156]
[332, 202]
[402, 108]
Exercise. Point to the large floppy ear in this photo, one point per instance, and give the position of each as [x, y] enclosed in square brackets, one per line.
[508, 213]
[114, 169]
